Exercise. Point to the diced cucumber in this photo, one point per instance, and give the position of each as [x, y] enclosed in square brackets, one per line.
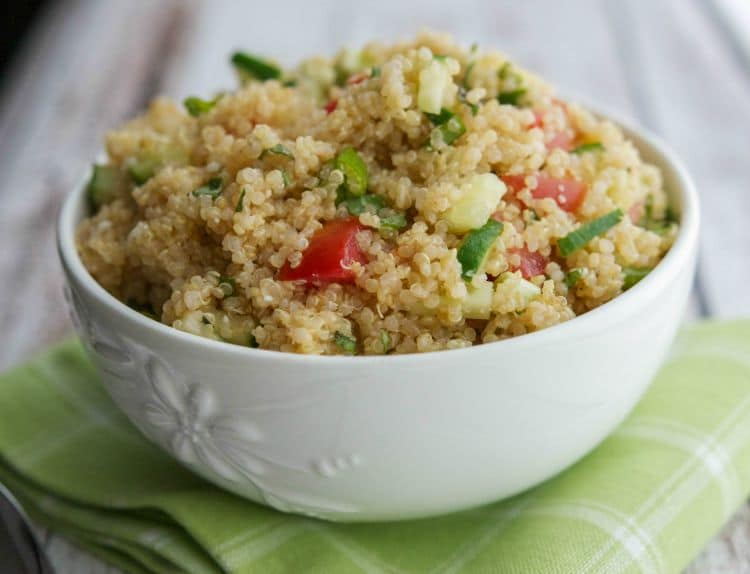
[434, 88]
[478, 301]
[519, 288]
[479, 202]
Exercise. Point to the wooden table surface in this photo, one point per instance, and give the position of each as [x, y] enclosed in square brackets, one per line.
[679, 67]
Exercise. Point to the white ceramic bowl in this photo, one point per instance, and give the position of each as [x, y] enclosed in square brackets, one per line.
[396, 437]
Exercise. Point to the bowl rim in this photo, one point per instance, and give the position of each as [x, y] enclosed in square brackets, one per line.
[678, 256]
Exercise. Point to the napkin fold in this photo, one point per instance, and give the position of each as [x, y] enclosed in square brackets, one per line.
[646, 500]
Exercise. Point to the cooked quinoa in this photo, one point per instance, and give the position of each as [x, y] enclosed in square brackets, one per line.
[397, 199]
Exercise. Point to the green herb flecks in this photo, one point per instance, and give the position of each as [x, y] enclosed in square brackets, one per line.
[441, 118]
[345, 343]
[254, 67]
[227, 285]
[375, 72]
[440, 57]
[211, 189]
[587, 147]
[511, 97]
[652, 223]
[285, 178]
[632, 275]
[385, 341]
[573, 276]
[393, 220]
[141, 170]
[278, 149]
[475, 247]
[196, 106]
[574, 240]
[240, 202]
[354, 168]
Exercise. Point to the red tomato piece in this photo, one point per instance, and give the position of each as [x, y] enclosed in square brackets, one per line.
[330, 254]
[532, 263]
[538, 121]
[330, 106]
[568, 193]
[636, 211]
[562, 140]
[357, 78]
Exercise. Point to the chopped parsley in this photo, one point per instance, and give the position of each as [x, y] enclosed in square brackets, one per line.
[511, 97]
[573, 276]
[240, 202]
[212, 189]
[574, 240]
[385, 341]
[345, 343]
[278, 149]
[227, 285]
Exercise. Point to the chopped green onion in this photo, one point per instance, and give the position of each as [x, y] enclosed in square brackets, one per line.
[440, 57]
[511, 97]
[240, 202]
[574, 240]
[441, 118]
[255, 67]
[475, 247]
[142, 170]
[385, 340]
[345, 343]
[278, 149]
[196, 106]
[212, 189]
[356, 205]
[252, 342]
[467, 74]
[632, 275]
[587, 147]
[393, 221]
[227, 285]
[573, 276]
[354, 169]
[105, 182]
[285, 178]
[375, 72]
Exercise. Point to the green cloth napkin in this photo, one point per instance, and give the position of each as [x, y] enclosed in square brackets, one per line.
[646, 500]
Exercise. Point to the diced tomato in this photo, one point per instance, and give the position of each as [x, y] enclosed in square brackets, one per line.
[562, 140]
[568, 193]
[532, 263]
[330, 254]
[330, 106]
[357, 78]
[636, 211]
[538, 121]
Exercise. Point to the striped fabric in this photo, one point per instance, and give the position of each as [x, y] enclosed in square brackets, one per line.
[645, 501]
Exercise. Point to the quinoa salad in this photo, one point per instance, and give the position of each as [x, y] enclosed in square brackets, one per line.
[400, 198]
